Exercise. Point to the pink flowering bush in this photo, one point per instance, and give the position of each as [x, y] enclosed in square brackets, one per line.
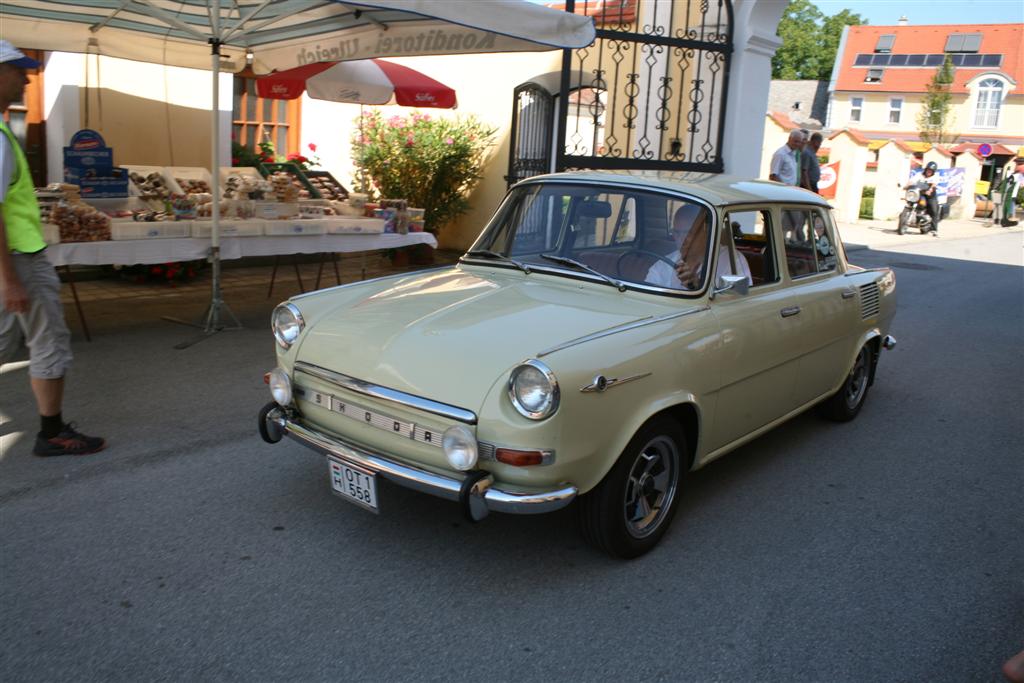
[431, 162]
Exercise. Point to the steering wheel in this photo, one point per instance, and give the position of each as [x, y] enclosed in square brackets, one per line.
[644, 252]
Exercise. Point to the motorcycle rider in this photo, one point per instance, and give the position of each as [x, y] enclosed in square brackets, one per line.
[928, 180]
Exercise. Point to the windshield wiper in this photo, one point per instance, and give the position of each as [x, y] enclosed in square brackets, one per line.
[487, 253]
[565, 260]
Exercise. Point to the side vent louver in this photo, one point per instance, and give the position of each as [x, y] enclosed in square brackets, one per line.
[869, 300]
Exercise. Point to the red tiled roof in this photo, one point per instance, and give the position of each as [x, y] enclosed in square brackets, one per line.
[941, 150]
[1004, 39]
[913, 135]
[783, 120]
[903, 147]
[973, 147]
[857, 137]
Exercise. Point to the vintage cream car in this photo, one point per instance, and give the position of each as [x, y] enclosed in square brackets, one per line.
[583, 350]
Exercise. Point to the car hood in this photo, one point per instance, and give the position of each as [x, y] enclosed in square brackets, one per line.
[449, 335]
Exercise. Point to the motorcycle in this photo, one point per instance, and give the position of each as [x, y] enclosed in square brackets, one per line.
[915, 213]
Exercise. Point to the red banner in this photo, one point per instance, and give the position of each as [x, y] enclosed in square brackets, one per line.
[829, 179]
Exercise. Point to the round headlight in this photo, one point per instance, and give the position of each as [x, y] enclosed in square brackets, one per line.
[533, 389]
[287, 323]
[459, 446]
[280, 387]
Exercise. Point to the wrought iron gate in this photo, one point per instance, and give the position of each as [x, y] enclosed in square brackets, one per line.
[649, 93]
[533, 118]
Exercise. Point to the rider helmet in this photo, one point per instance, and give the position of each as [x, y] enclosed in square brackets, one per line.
[931, 166]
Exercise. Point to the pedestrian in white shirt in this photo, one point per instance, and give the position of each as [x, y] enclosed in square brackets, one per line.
[785, 166]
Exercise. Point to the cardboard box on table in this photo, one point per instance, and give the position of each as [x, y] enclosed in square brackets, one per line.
[89, 163]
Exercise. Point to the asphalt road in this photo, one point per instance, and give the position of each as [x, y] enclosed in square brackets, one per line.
[886, 549]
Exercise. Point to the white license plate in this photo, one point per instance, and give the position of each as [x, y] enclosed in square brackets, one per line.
[353, 484]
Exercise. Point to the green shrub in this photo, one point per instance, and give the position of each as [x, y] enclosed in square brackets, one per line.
[431, 162]
[867, 204]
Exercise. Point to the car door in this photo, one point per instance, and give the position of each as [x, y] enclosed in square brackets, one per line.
[758, 360]
[823, 304]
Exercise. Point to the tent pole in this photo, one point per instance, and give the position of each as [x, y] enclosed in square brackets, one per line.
[212, 321]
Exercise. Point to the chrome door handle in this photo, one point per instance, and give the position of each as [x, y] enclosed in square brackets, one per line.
[789, 311]
[848, 294]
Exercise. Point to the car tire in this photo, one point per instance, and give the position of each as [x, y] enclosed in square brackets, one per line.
[844, 405]
[629, 511]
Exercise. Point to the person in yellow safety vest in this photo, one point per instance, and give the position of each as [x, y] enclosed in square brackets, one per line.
[30, 305]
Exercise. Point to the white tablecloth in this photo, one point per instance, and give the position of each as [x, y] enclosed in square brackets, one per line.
[130, 252]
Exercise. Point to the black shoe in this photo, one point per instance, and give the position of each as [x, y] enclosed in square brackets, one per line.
[68, 442]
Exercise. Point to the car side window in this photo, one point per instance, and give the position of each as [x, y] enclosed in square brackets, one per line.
[808, 242]
[752, 236]
[798, 243]
[824, 245]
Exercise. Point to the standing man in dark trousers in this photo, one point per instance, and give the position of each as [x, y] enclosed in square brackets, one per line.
[811, 171]
[30, 305]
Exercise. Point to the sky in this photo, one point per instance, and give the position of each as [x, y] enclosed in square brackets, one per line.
[920, 12]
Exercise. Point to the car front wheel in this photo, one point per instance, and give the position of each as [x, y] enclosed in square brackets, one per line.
[628, 512]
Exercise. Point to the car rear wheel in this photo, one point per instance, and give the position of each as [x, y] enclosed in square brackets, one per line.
[844, 405]
[628, 512]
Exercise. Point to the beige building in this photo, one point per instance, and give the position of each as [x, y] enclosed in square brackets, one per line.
[879, 83]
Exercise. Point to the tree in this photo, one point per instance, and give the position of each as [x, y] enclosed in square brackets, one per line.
[936, 120]
[810, 41]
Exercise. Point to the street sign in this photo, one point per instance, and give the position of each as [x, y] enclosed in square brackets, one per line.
[984, 149]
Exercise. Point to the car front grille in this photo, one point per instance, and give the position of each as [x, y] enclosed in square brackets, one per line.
[869, 300]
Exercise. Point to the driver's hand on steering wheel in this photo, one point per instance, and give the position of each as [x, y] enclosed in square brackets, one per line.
[688, 274]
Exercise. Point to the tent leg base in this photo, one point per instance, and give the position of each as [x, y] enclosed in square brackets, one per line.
[211, 323]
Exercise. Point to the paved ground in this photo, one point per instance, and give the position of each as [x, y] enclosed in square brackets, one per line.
[886, 549]
[882, 234]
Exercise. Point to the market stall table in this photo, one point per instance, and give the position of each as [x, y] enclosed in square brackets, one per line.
[152, 251]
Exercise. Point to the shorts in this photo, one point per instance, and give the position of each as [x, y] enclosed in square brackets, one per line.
[42, 328]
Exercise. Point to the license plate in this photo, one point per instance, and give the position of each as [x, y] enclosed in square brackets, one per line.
[353, 484]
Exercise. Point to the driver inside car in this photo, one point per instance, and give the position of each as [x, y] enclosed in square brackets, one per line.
[690, 231]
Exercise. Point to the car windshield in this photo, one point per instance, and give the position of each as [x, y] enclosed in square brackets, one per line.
[622, 236]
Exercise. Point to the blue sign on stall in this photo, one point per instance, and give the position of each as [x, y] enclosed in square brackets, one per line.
[984, 149]
[89, 163]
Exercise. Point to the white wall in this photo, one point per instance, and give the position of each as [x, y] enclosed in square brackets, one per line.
[148, 113]
[755, 23]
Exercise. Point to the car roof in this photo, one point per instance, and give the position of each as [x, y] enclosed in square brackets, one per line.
[714, 188]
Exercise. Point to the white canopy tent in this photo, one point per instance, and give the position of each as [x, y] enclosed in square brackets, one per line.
[281, 34]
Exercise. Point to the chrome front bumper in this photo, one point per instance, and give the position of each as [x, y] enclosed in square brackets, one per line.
[477, 492]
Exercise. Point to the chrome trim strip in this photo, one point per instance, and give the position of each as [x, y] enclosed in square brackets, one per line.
[601, 383]
[374, 418]
[621, 328]
[496, 497]
[385, 394]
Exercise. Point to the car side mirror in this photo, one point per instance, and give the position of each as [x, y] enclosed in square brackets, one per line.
[732, 283]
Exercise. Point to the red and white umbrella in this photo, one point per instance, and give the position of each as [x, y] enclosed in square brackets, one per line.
[366, 81]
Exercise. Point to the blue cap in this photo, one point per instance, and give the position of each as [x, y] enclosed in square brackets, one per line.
[15, 57]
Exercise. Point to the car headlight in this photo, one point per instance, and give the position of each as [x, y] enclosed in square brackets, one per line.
[280, 386]
[287, 324]
[460, 447]
[533, 390]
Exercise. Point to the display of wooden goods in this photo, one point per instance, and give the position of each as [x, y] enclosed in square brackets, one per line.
[326, 185]
[151, 185]
[80, 222]
[294, 174]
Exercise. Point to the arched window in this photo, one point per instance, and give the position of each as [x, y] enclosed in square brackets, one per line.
[990, 98]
